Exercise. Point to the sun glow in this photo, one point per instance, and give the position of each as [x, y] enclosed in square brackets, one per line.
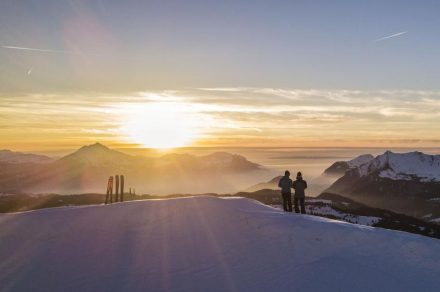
[161, 125]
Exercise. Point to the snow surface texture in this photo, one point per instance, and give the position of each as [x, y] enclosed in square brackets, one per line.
[404, 166]
[325, 210]
[207, 244]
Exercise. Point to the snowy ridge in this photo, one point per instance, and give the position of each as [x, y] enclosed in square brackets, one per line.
[207, 244]
[404, 166]
[358, 161]
[340, 167]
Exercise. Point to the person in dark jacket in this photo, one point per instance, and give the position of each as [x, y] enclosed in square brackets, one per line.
[286, 184]
[298, 199]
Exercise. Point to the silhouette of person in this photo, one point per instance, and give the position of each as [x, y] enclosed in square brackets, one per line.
[298, 199]
[286, 184]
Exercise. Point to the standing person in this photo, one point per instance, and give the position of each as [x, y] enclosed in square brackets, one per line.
[286, 184]
[299, 185]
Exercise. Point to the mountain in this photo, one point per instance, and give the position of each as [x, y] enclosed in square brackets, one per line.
[405, 166]
[228, 161]
[407, 183]
[340, 167]
[318, 184]
[271, 184]
[207, 244]
[8, 156]
[96, 155]
[88, 168]
[217, 161]
[313, 188]
[341, 208]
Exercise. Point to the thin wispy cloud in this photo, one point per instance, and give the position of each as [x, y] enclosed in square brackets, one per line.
[40, 50]
[33, 49]
[390, 36]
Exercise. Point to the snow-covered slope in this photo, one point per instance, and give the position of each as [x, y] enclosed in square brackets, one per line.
[404, 166]
[361, 159]
[206, 244]
[340, 167]
[324, 208]
[400, 182]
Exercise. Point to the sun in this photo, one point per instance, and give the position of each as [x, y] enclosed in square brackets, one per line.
[161, 125]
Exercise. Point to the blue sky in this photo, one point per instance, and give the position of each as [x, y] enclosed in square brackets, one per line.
[139, 45]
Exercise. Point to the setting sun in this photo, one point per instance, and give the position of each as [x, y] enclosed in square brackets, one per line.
[161, 125]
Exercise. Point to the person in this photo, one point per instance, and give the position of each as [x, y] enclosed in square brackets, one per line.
[286, 184]
[299, 185]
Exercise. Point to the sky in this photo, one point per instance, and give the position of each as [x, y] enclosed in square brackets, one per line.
[165, 74]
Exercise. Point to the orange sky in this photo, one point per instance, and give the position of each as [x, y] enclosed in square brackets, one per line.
[222, 117]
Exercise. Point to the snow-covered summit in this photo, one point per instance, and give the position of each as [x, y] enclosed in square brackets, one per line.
[404, 166]
[340, 167]
[358, 161]
[207, 244]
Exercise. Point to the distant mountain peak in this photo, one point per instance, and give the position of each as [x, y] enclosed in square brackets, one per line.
[401, 182]
[221, 155]
[94, 147]
[9, 156]
[361, 159]
[275, 180]
[231, 160]
[340, 167]
[96, 154]
[404, 166]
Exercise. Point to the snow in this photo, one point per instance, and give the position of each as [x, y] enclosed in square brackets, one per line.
[358, 161]
[319, 201]
[207, 244]
[327, 210]
[404, 166]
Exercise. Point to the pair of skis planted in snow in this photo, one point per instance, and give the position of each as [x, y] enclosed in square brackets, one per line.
[119, 189]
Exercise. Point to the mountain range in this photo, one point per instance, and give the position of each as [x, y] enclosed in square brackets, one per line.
[8, 156]
[407, 183]
[339, 168]
[88, 168]
[316, 185]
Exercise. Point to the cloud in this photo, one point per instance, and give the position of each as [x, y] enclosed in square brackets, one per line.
[39, 50]
[33, 49]
[242, 116]
[390, 36]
